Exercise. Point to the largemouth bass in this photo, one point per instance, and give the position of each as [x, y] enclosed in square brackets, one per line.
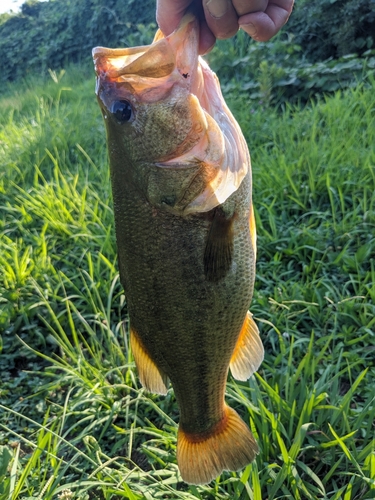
[181, 182]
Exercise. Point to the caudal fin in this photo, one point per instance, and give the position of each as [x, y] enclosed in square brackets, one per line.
[229, 446]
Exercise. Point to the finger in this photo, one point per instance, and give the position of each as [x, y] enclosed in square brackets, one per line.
[264, 25]
[169, 14]
[206, 39]
[221, 17]
[243, 7]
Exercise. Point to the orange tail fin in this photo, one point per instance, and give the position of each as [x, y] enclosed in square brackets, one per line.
[229, 446]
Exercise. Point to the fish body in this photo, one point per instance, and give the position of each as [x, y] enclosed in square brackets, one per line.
[185, 231]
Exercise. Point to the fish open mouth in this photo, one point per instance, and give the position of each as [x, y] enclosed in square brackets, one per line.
[152, 61]
[166, 61]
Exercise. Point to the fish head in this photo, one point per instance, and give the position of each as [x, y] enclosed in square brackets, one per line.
[166, 123]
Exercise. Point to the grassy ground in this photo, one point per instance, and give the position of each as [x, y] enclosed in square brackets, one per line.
[74, 421]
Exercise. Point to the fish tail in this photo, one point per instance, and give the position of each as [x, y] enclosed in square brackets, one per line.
[229, 446]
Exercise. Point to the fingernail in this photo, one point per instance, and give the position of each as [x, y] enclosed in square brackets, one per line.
[217, 8]
[250, 29]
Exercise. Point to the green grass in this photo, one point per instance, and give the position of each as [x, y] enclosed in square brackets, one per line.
[74, 421]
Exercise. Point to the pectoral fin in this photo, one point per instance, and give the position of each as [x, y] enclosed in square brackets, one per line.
[219, 247]
[248, 353]
[152, 379]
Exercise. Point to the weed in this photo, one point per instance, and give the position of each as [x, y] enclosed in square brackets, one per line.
[75, 423]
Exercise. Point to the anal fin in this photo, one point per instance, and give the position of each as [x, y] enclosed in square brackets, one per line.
[253, 232]
[219, 247]
[229, 445]
[151, 377]
[249, 352]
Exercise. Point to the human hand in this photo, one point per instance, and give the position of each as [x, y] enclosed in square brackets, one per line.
[261, 19]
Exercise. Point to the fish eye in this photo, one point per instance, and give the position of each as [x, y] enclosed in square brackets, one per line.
[122, 111]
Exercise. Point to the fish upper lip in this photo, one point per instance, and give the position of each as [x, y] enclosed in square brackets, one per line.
[99, 53]
[159, 60]
[146, 61]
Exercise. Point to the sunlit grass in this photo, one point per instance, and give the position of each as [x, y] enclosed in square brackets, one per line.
[74, 420]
